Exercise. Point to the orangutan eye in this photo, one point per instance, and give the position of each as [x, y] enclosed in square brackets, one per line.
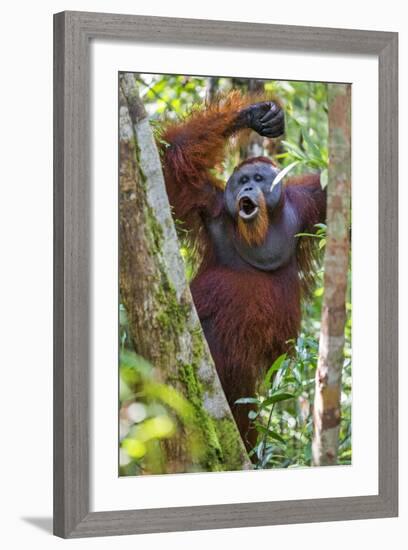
[244, 179]
[258, 177]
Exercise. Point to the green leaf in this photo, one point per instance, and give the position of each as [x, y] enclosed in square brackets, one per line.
[311, 145]
[275, 367]
[295, 150]
[279, 396]
[131, 360]
[260, 449]
[276, 436]
[315, 235]
[271, 433]
[247, 400]
[266, 459]
[292, 379]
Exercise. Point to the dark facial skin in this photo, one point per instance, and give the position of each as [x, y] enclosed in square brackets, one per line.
[245, 186]
[242, 197]
[279, 245]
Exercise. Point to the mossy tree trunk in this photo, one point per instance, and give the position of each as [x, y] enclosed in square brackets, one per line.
[327, 410]
[162, 318]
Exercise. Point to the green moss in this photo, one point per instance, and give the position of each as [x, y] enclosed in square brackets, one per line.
[173, 315]
[197, 344]
[220, 444]
[225, 448]
[142, 178]
[154, 231]
[227, 433]
[214, 459]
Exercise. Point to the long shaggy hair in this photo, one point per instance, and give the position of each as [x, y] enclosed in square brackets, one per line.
[253, 232]
[248, 315]
[248, 319]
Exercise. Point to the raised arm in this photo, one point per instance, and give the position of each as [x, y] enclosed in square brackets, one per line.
[193, 147]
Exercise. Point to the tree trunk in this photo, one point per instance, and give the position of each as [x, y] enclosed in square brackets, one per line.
[212, 88]
[162, 318]
[327, 411]
[254, 146]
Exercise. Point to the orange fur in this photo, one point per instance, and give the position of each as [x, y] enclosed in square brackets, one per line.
[248, 315]
[210, 125]
[191, 148]
[253, 232]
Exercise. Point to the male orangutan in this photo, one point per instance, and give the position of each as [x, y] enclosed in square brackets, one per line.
[254, 269]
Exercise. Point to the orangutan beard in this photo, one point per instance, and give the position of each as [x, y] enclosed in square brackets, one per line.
[254, 231]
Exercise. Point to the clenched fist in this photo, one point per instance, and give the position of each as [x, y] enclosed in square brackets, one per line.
[266, 118]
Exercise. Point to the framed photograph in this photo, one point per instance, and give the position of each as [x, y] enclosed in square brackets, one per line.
[225, 288]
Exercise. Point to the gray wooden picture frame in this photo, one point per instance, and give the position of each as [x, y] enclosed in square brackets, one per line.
[72, 34]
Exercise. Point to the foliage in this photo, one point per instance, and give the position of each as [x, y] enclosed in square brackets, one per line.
[150, 413]
[283, 406]
[170, 95]
[284, 414]
[306, 132]
[283, 417]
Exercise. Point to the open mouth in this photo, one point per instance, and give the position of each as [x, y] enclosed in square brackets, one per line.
[247, 208]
